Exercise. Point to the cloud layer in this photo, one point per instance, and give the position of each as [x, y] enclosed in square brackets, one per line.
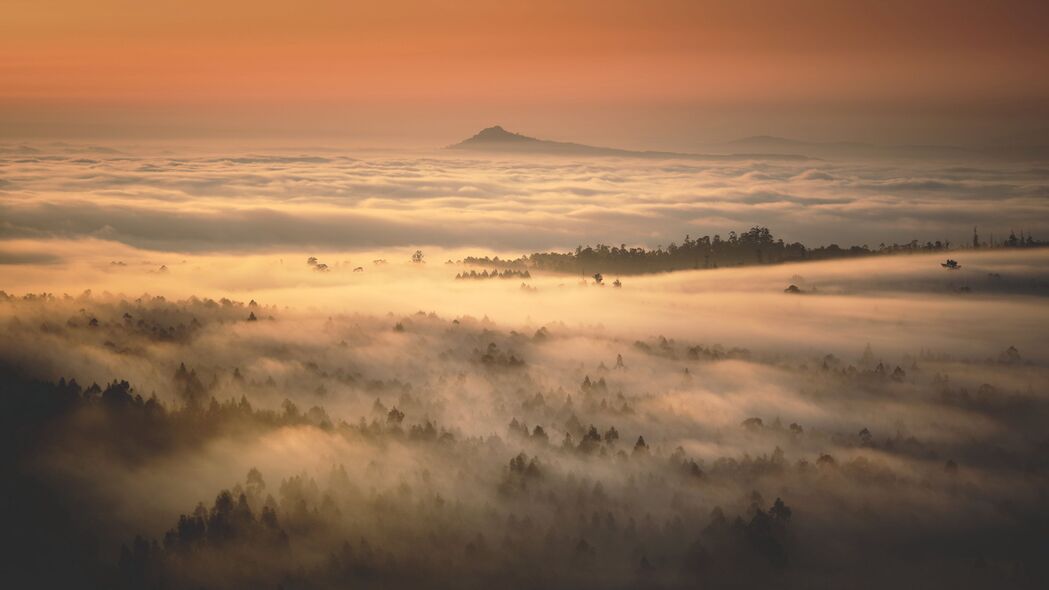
[336, 202]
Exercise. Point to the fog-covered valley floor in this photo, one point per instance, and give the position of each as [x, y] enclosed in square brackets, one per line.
[187, 406]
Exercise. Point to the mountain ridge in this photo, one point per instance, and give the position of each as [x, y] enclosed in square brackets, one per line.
[496, 139]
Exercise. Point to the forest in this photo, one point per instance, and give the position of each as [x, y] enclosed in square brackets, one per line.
[252, 446]
[755, 246]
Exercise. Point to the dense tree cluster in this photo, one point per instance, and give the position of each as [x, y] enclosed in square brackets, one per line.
[754, 246]
[509, 273]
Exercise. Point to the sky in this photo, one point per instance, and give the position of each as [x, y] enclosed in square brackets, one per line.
[664, 74]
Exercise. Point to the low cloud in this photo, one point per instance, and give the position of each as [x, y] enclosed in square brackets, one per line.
[232, 203]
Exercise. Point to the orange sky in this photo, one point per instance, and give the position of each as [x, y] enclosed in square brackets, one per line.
[689, 70]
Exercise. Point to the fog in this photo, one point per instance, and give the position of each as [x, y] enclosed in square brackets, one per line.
[207, 199]
[285, 399]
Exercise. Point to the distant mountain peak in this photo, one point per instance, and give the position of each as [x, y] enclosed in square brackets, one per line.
[495, 139]
[496, 133]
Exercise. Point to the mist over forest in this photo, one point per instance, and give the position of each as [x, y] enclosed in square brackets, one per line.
[365, 420]
[310, 370]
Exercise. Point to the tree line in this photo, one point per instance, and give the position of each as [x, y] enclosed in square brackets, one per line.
[752, 247]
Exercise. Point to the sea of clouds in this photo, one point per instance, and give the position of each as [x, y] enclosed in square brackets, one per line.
[193, 200]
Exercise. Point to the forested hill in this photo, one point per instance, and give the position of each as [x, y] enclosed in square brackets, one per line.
[755, 246]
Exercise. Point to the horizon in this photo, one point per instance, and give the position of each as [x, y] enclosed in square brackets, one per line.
[234, 143]
[244, 142]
